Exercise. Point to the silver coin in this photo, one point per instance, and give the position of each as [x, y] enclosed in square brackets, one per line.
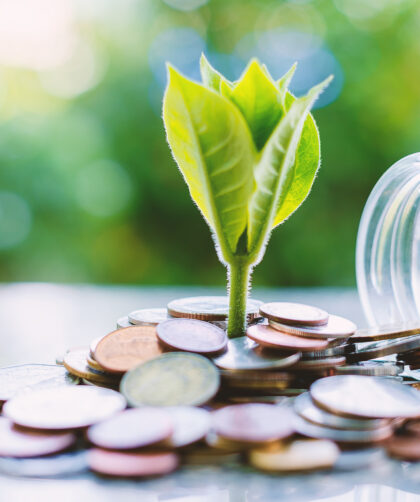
[373, 350]
[365, 458]
[27, 377]
[244, 354]
[365, 396]
[209, 308]
[372, 368]
[337, 327]
[319, 364]
[62, 407]
[123, 322]
[311, 430]
[190, 425]
[148, 317]
[305, 408]
[64, 464]
[338, 350]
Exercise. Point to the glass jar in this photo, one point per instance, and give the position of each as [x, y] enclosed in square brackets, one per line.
[388, 246]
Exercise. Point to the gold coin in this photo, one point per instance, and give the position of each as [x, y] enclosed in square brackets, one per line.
[386, 332]
[300, 455]
[75, 362]
[93, 364]
[176, 378]
[126, 348]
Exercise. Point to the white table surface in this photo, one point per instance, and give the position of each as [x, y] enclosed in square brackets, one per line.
[40, 321]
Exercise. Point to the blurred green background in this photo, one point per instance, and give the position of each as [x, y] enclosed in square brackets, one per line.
[88, 189]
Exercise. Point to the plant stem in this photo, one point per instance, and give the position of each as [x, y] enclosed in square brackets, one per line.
[239, 273]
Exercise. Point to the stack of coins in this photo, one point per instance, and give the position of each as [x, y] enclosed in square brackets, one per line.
[299, 388]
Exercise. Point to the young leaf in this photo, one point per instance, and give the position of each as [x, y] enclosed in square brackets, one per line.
[274, 173]
[211, 78]
[304, 170]
[213, 148]
[284, 81]
[259, 100]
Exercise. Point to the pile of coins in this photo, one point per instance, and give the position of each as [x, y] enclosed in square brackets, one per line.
[168, 388]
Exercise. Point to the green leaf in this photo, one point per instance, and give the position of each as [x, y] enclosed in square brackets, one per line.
[283, 83]
[306, 165]
[211, 78]
[259, 100]
[275, 172]
[213, 148]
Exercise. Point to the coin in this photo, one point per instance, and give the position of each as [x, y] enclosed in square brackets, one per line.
[191, 335]
[93, 364]
[63, 464]
[272, 338]
[304, 407]
[123, 322]
[148, 317]
[244, 354]
[190, 425]
[364, 458]
[338, 350]
[364, 396]
[65, 407]
[319, 364]
[294, 313]
[404, 448]
[112, 463]
[312, 430]
[253, 422]
[386, 332]
[413, 427]
[205, 455]
[75, 361]
[337, 327]
[26, 377]
[299, 455]
[93, 344]
[209, 308]
[125, 348]
[375, 350]
[176, 378]
[131, 429]
[19, 444]
[372, 368]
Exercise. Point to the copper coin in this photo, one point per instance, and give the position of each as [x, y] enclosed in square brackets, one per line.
[132, 429]
[336, 327]
[20, 444]
[75, 361]
[125, 348]
[190, 425]
[112, 463]
[270, 337]
[93, 344]
[404, 447]
[366, 397]
[253, 422]
[299, 455]
[209, 308]
[191, 335]
[58, 408]
[148, 317]
[294, 313]
[386, 332]
[413, 427]
[93, 364]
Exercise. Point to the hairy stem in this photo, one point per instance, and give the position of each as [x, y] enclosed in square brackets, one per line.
[239, 274]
